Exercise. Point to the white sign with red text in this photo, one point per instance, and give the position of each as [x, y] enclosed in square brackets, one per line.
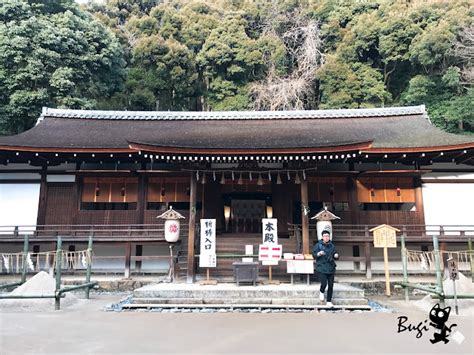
[269, 254]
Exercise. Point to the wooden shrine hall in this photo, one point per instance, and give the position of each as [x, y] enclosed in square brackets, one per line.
[119, 170]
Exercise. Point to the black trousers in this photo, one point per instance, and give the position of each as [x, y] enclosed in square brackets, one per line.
[327, 279]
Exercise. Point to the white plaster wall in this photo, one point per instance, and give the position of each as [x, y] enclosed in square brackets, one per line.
[18, 206]
[156, 265]
[109, 263]
[449, 203]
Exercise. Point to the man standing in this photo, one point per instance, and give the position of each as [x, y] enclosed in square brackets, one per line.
[325, 253]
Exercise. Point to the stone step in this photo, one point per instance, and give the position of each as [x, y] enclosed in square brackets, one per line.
[231, 291]
[361, 307]
[249, 301]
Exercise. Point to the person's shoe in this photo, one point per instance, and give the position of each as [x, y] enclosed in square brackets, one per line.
[321, 296]
[329, 304]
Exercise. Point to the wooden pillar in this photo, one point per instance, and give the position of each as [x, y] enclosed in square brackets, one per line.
[128, 254]
[41, 219]
[353, 202]
[368, 258]
[192, 223]
[419, 201]
[304, 216]
[141, 198]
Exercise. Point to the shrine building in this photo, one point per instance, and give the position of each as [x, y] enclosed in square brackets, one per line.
[111, 173]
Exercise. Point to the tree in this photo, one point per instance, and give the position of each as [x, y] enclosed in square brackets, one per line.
[53, 54]
[166, 69]
[229, 59]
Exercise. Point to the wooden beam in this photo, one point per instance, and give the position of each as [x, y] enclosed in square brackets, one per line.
[304, 216]
[240, 151]
[192, 223]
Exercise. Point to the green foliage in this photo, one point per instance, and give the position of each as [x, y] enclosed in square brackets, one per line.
[351, 85]
[209, 54]
[52, 54]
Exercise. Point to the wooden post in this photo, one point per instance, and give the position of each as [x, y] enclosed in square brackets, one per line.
[141, 198]
[24, 269]
[128, 254]
[353, 202]
[471, 256]
[270, 274]
[387, 274]
[192, 223]
[89, 266]
[439, 277]
[368, 260]
[419, 201]
[304, 216]
[404, 261]
[57, 298]
[41, 220]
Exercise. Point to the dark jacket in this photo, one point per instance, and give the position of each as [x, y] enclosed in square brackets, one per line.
[325, 263]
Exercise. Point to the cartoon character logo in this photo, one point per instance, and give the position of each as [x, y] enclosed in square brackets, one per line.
[438, 318]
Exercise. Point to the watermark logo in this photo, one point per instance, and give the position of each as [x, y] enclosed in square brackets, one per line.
[438, 320]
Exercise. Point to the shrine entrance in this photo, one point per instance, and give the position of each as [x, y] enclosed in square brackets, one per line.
[244, 212]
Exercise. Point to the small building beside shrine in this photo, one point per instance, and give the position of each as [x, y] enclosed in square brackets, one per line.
[111, 173]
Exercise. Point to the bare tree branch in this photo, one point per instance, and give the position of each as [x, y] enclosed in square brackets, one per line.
[464, 49]
[303, 44]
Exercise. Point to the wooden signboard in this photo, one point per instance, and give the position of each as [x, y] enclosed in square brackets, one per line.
[385, 236]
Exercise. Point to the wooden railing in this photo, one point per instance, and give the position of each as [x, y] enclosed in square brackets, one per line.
[122, 232]
[413, 232]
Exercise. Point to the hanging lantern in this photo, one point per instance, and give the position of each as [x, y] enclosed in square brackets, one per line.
[324, 218]
[204, 179]
[241, 181]
[223, 179]
[260, 180]
[171, 218]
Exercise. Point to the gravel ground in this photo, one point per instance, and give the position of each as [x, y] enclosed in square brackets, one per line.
[86, 327]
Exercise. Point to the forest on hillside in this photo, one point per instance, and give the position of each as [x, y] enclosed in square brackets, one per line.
[237, 55]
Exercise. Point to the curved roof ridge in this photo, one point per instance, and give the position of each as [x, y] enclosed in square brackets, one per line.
[230, 115]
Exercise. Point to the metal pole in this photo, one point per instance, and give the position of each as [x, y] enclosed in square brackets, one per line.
[404, 262]
[471, 255]
[89, 265]
[25, 264]
[439, 278]
[57, 300]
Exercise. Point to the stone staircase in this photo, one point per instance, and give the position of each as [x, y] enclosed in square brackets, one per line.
[180, 295]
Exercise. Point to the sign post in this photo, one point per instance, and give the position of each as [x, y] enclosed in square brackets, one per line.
[207, 254]
[270, 251]
[454, 275]
[385, 236]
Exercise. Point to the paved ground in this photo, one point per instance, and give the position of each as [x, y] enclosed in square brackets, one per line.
[85, 328]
